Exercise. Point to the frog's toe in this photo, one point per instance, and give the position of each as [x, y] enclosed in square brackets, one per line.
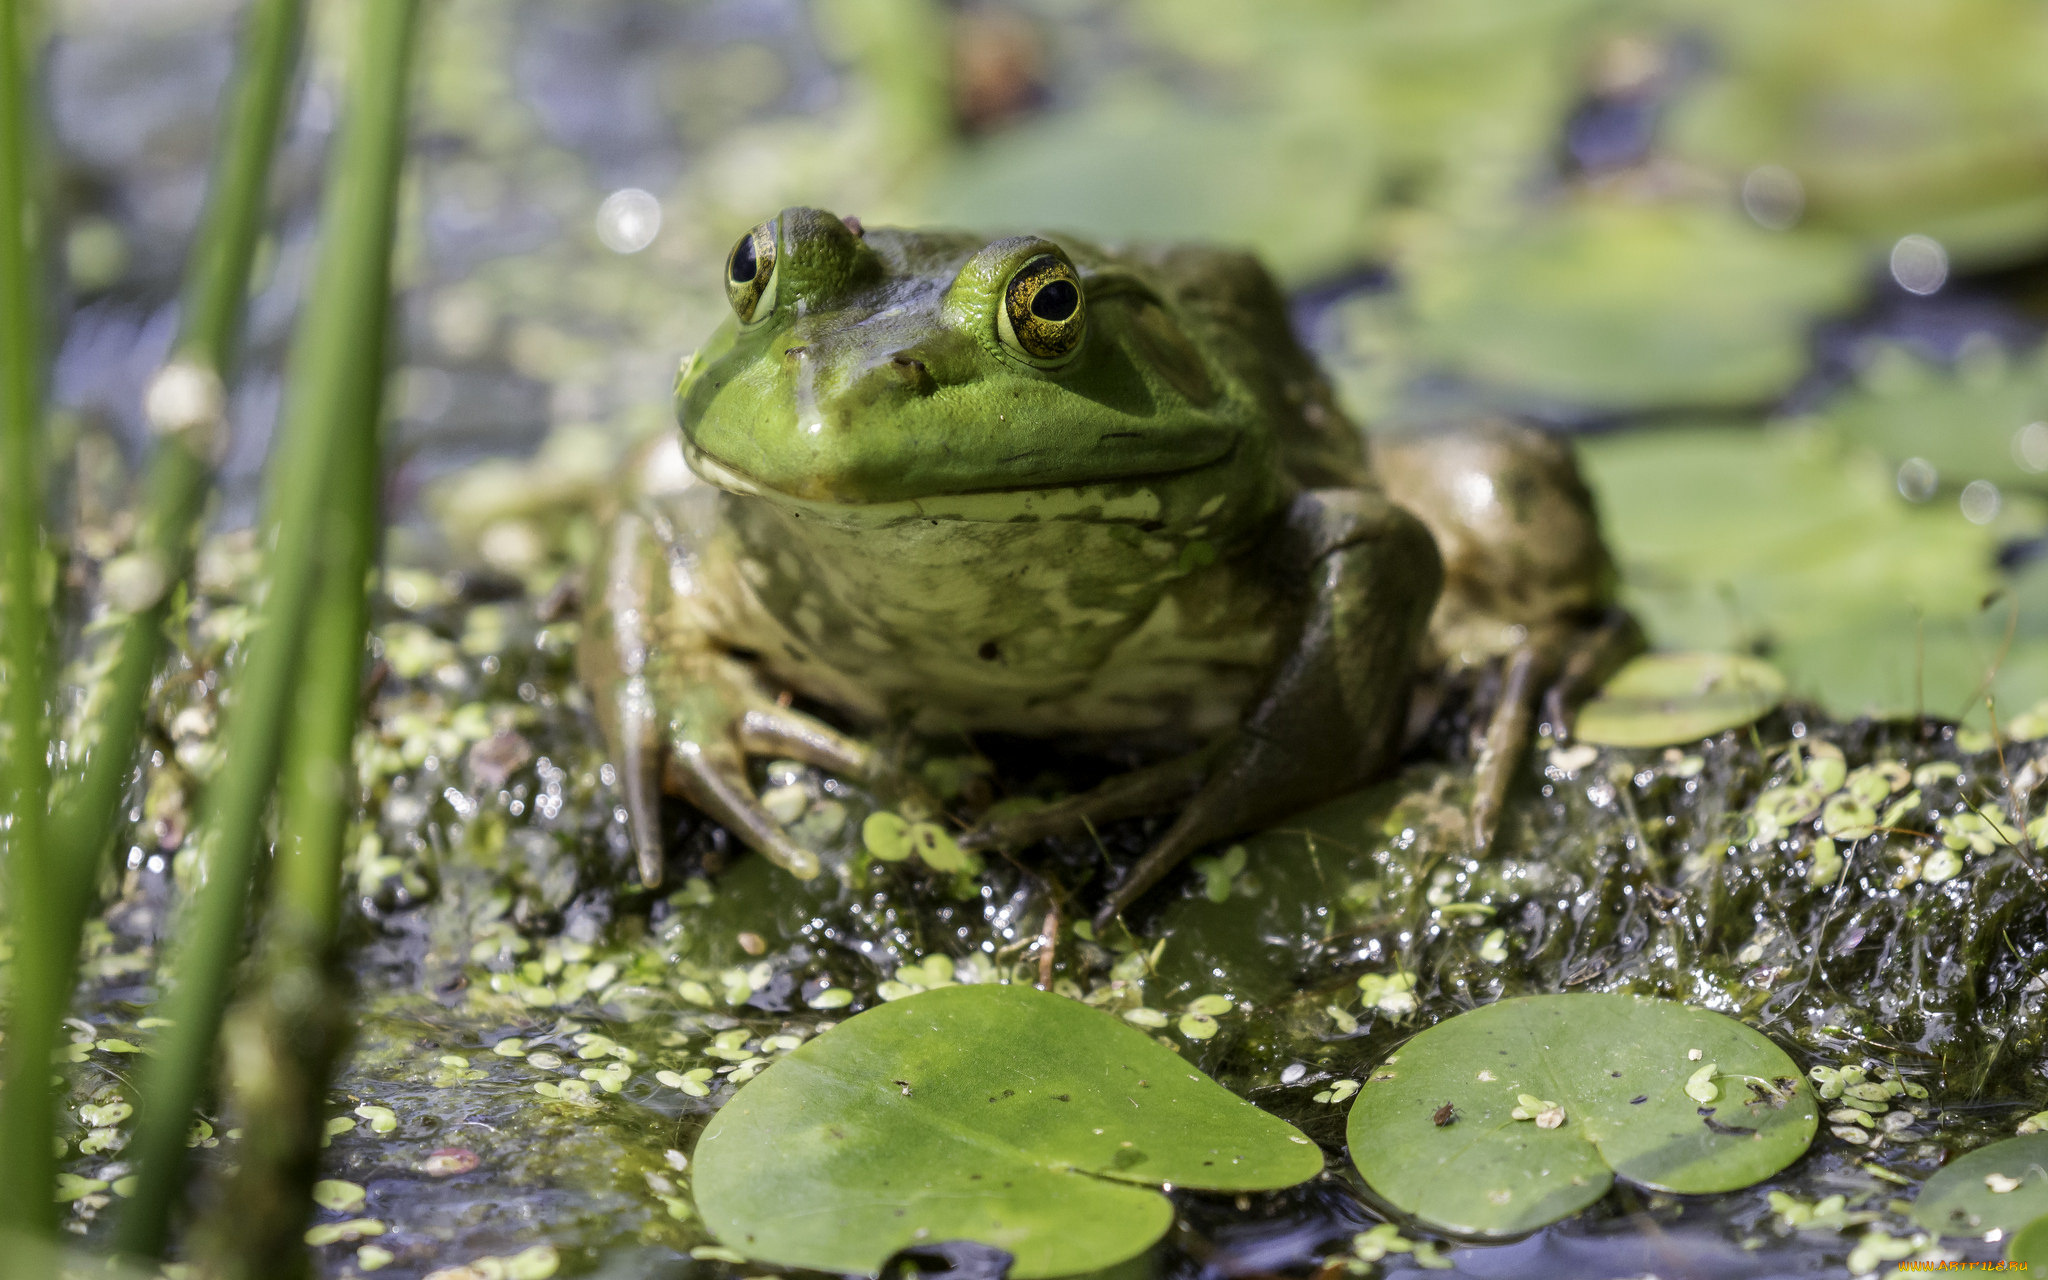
[713, 777]
[1154, 788]
[782, 731]
[640, 786]
[1507, 736]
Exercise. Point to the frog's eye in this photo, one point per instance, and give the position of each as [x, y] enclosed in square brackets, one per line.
[750, 275]
[1043, 312]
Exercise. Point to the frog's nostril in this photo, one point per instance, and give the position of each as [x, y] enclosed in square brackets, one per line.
[913, 374]
[794, 353]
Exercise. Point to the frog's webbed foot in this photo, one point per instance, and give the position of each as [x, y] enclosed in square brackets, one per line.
[1332, 714]
[1562, 668]
[712, 775]
[686, 713]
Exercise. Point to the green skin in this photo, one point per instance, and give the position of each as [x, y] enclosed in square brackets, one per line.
[1162, 535]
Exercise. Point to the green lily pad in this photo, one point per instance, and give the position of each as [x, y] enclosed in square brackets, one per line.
[2029, 1245]
[1917, 124]
[1142, 165]
[1663, 698]
[2000, 1187]
[999, 1114]
[1611, 1085]
[1794, 543]
[1629, 307]
[1987, 419]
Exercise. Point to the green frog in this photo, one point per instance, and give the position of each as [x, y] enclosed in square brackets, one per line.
[934, 483]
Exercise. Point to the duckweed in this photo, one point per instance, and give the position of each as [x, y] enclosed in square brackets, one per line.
[338, 1196]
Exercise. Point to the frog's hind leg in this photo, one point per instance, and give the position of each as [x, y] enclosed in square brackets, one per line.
[1332, 714]
[1562, 672]
[1507, 737]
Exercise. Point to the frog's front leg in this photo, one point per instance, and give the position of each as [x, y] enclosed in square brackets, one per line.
[675, 706]
[1331, 716]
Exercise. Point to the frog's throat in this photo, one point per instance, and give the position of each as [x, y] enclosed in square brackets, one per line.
[1133, 497]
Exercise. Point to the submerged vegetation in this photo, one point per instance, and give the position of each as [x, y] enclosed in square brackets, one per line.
[1620, 220]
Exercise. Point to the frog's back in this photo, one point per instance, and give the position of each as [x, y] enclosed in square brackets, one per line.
[1233, 307]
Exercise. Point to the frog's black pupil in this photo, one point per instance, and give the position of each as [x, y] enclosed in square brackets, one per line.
[1056, 301]
[744, 264]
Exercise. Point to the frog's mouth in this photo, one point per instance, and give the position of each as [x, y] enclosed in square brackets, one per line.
[1130, 497]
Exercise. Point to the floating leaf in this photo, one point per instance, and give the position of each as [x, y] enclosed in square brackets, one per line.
[2029, 1245]
[1986, 420]
[1665, 698]
[1963, 1198]
[999, 1114]
[886, 836]
[1629, 305]
[1791, 542]
[340, 1196]
[1608, 1077]
[1785, 78]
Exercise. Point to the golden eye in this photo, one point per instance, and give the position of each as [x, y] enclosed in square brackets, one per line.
[1043, 312]
[750, 275]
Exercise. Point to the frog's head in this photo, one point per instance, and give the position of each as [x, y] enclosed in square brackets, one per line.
[877, 365]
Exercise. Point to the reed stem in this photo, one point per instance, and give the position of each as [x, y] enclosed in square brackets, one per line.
[283, 1039]
[187, 410]
[37, 979]
[339, 338]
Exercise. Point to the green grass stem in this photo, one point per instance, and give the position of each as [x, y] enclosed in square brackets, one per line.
[282, 1039]
[55, 857]
[344, 317]
[37, 983]
[187, 413]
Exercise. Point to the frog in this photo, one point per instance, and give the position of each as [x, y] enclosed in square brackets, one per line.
[933, 484]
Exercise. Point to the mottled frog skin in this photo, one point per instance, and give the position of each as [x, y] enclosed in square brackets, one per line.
[940, 484]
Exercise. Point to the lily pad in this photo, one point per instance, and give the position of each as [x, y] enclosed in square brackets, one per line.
[998, 1114]
[1984, 420]
[1624, 307]
[2029, 1245]
[2000, 1187]
[1519, 1114]
[1794, 543]
[1663, 698]
[1916, 124]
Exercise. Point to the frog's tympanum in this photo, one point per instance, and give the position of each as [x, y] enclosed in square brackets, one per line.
[941, 484]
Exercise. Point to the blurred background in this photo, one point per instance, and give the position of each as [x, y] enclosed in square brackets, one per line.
[1780, 267]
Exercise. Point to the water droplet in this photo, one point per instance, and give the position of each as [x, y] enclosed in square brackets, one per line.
[1773, 196]
[1919, 264]
[1980, 501]
[628, 220]
[2030, 446]
[1917, 479]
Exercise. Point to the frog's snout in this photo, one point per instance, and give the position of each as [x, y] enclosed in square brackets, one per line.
[891, 377]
